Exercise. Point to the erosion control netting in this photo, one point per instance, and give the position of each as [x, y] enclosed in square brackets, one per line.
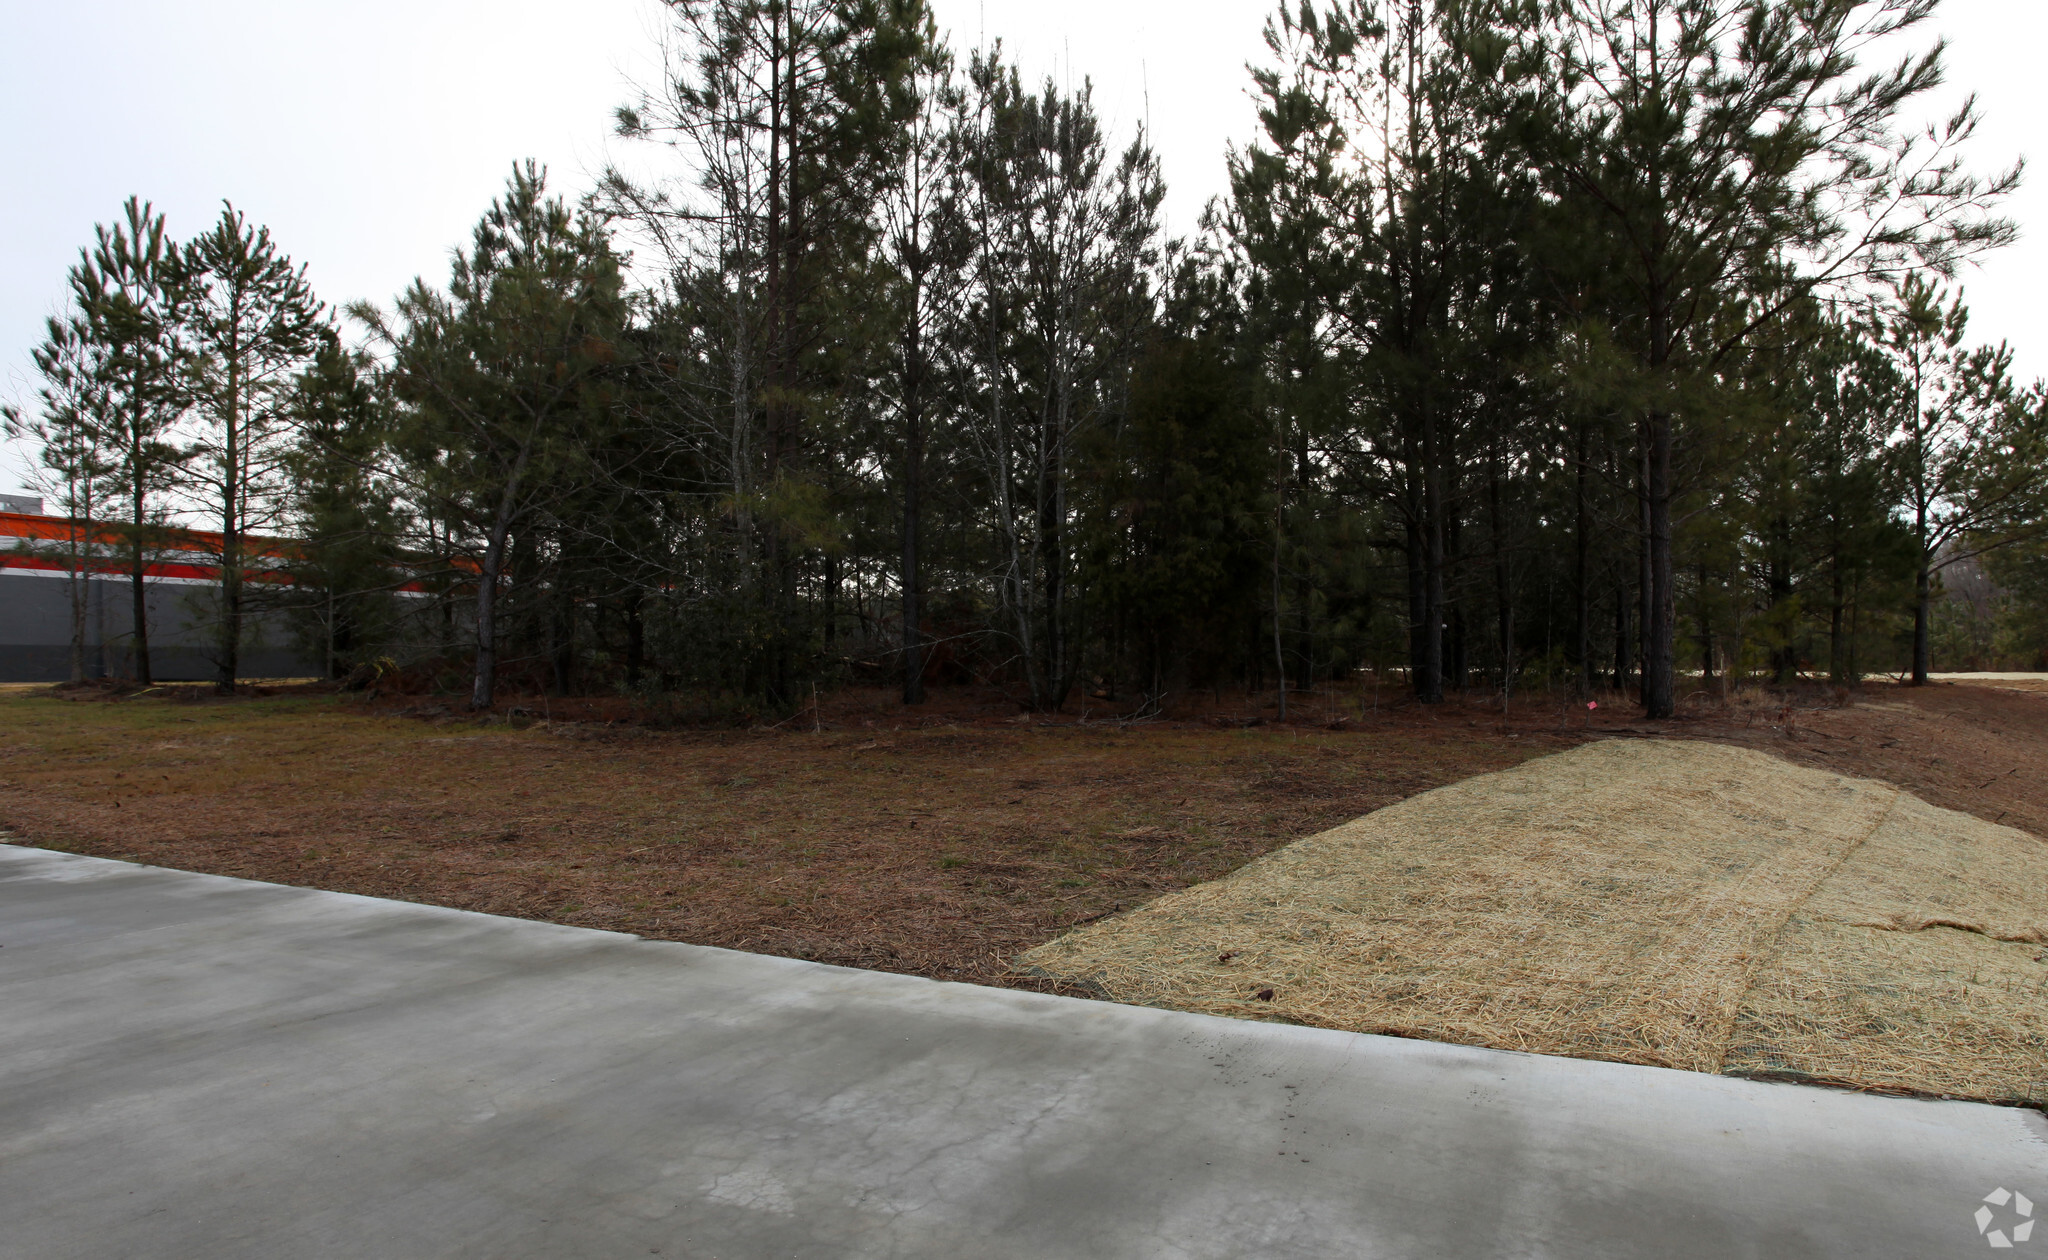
[1688, 905]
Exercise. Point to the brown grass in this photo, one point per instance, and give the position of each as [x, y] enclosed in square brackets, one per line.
[938, 841]
[939, 851]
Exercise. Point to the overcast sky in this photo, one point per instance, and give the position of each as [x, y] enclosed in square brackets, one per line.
[370, 135]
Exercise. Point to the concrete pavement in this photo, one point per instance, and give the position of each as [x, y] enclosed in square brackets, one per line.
[209, 1068]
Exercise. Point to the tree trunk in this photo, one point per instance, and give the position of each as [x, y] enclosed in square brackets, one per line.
[1923, 613]
[1061, 656]
[913, 641]
[1457, 666]
[77, 667]
[1429, 678]
[230, 648]
[1778, 585]
[782, 247]
[1660, 604]
[1838, 656]
[231, 616]
[1503, 586]
[1304, 581]
[565, 628]
[483, 690]
[1507, 635]
[1582, 596]
[1459, 672]
[1279, 649]
[1412, 532]
[1706, 633]
[1923, 576]
[96, 595]
[1624, 640]
[137, 574]
[1838, 671]
[81, 577]
[831, 590]
[636, 638]
[913, 482]
[1855, 630]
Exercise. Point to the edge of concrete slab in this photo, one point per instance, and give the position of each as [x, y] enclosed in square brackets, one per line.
[510, 1087]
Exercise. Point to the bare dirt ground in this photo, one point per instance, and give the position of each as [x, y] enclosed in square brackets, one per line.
[939, 842]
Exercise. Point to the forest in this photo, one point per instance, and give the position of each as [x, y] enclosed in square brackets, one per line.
[1596, 345]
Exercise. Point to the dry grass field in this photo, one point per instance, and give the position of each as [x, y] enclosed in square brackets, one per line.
[940, 842]
[939, 851]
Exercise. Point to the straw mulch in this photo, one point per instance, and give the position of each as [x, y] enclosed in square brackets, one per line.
[1682, 904]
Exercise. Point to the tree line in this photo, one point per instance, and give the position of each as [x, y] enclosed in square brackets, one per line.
[1596, 342]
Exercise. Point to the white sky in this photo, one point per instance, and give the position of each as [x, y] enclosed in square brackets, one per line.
[369, 136]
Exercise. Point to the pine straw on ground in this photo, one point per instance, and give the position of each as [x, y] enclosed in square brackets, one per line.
[940, 851]
[1675, 903]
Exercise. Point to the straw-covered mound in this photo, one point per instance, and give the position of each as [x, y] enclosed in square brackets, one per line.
[1689, 905]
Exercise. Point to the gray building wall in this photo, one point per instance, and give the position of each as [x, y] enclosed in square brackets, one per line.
[35, 631]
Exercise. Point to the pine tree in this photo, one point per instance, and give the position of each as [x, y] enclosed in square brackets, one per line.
[923, 255]
[785, 115]
[1064, 242]
[1181, 537]
[251, 324]
[503, 381]
[344, 559]
[1721, 139]
[73, 434]
[1972, 446]
[130, 289]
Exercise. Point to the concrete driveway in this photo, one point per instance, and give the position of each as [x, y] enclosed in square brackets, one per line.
[208, 1068]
